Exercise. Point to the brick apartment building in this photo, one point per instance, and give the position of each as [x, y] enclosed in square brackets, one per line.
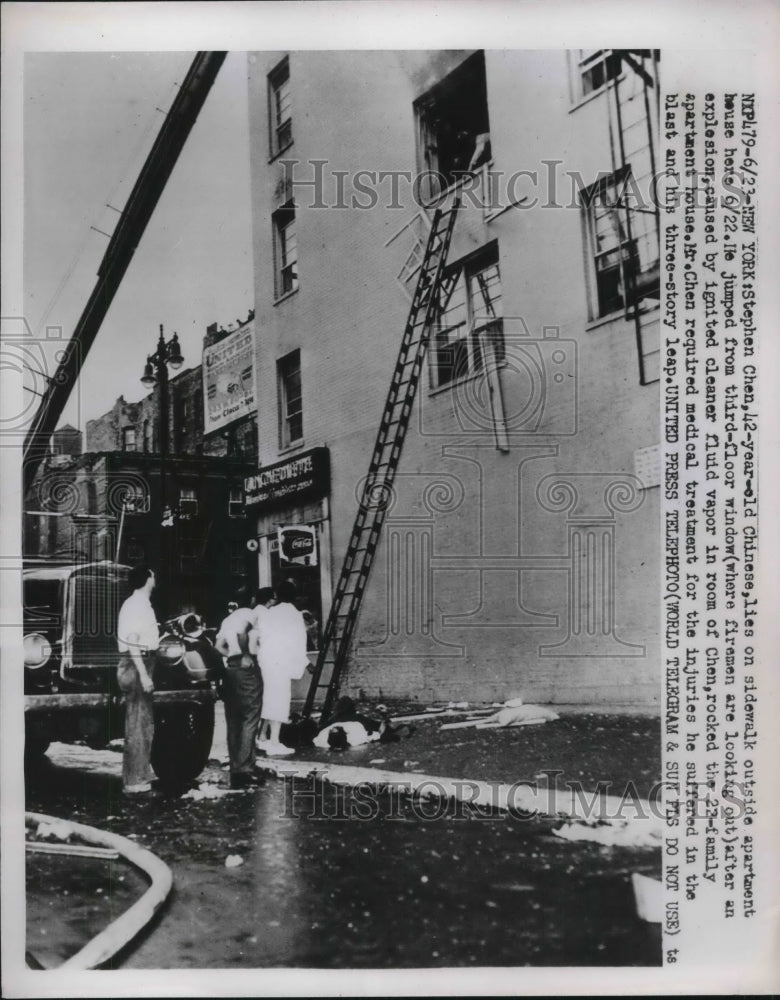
[520, 552]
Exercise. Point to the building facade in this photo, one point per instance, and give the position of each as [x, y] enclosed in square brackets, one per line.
[135, 427]
[520, 551]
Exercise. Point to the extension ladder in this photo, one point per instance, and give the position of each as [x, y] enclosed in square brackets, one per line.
[434, 285]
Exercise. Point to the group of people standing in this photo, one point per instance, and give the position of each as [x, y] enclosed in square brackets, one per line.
[264, 645]
[263, 642]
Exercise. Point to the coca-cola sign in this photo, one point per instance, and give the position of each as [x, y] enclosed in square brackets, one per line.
[298, 545]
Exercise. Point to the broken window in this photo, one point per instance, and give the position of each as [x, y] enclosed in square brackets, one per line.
[453, 126]
[469, 326]
[279, 108]
[285, 250]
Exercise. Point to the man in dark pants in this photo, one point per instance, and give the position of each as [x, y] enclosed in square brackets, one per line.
[242, 694]
[138, 639]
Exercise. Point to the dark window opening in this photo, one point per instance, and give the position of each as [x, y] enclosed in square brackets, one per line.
[453, 125]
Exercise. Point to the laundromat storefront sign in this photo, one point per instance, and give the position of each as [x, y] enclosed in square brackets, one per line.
[304, 477]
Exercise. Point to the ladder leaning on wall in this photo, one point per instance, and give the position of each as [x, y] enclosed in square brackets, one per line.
[434, 285]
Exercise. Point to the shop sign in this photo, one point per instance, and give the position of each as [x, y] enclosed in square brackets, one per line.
[228, 379]
[297, 545]
[304, 477]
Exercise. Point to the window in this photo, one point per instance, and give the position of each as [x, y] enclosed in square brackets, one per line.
[236, 502]
[181, 419]
[593, 68]
[188, 502]
[238, 557]
[279, 108]
[189, 555]
[136, 553]
[148, 436]
[453, 128]
[290, 400]
[128, 439]
[136, 500]
[285, 251]
[469, 325]
[622, 258]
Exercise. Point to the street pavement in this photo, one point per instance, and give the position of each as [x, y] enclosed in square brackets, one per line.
[320, 878]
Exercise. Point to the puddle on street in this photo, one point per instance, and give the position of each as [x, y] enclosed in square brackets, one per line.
[335, 878]
[405, 886]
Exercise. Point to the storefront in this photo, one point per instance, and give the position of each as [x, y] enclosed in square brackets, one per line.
[290, 501]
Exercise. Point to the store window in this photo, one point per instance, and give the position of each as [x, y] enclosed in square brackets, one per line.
[453, 127]
[469, 325]
[285, 251]
[279, 108]
[290, 400]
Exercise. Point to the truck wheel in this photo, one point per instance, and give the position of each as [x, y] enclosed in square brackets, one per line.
[182, 743]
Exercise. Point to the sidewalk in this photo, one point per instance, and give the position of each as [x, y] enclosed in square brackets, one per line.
[620, 747]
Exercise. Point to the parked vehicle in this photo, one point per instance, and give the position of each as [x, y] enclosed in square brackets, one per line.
[70, 658]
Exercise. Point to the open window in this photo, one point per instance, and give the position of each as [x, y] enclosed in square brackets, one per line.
[469, 326]
[453, 127]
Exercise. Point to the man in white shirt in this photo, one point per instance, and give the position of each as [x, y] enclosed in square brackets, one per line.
[242, 693]
[137, 639]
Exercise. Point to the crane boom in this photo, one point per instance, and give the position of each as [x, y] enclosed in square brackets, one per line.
[127, 235]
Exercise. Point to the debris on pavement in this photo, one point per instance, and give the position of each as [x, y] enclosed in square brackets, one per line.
[59, 829]
[436, 713]
[514, 715]
[619, 833]
[649, 898]
[208, 791]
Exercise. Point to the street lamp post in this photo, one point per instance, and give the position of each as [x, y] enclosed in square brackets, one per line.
[156, 373]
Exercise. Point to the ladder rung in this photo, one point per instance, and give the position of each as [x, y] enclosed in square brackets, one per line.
[433, 279]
